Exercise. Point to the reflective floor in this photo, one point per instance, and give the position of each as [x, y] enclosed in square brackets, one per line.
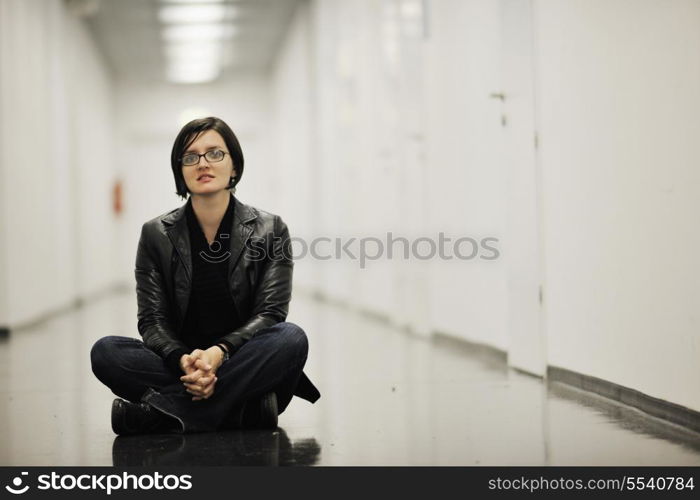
[388, 398]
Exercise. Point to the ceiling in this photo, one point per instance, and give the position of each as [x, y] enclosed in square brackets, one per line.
[129, 34]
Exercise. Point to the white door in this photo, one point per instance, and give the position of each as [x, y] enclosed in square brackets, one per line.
[522, 248]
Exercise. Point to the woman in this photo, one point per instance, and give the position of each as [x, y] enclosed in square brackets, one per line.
[213, 284]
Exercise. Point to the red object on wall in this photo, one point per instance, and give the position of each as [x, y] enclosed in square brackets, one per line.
[117, 197]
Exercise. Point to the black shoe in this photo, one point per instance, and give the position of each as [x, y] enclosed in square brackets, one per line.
[257, 413]
[140, 418]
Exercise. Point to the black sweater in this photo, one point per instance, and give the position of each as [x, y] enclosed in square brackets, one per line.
[211, 312]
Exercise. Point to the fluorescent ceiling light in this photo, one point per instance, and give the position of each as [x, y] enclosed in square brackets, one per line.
[193, 50]
[194, 66]
[193, 73]
[200, 32]
[190, 1]
[206, 13]
[176, 78]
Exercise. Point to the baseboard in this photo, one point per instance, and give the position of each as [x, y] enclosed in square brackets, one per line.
[483, 351]
[658, 408]
[665, 410]
[68, 307]
[325, 298]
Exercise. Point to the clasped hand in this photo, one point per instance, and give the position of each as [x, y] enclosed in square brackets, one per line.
[200, 372]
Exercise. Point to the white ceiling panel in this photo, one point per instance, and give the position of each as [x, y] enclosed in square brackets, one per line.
[129, 34]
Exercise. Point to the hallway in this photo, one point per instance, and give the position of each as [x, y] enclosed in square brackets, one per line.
[388, 398]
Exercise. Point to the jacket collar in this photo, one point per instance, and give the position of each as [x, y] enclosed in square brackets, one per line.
[175, 223]
[242, 212]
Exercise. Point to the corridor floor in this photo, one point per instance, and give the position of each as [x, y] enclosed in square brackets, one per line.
[388, 398]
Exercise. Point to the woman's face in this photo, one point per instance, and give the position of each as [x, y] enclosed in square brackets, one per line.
[206, 176]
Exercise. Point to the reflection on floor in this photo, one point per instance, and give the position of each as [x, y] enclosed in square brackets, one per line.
[253, 447]
[388, 398]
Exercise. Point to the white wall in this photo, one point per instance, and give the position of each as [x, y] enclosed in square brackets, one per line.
[294, 180]
[467, 183]
[402, 136]
[56, 164]
[395, 142]
[619, 120]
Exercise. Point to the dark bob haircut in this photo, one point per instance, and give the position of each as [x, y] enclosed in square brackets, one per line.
[189, 134]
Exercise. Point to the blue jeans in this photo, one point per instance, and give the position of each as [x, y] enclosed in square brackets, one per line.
[272, 360]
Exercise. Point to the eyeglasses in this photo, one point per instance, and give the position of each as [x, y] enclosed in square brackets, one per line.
[213, 156]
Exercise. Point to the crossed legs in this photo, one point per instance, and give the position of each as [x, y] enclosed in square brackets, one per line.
[271, 361]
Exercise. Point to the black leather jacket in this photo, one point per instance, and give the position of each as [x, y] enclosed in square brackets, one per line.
[261, 288]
